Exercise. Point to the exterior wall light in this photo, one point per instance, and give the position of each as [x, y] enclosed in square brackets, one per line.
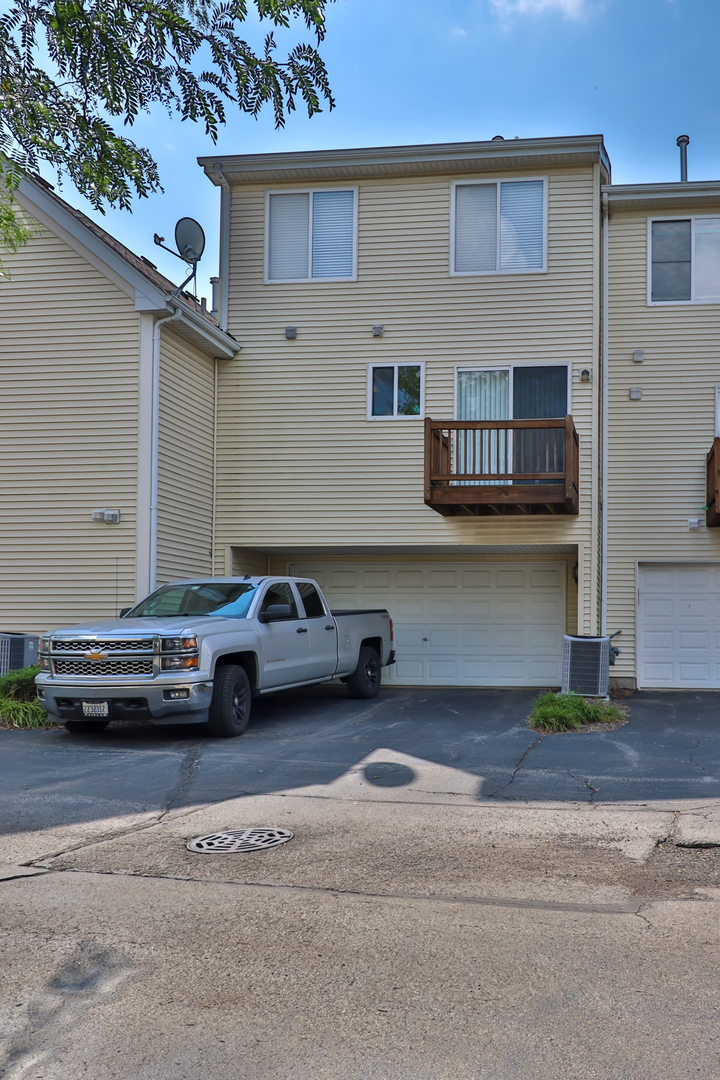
[585, 376]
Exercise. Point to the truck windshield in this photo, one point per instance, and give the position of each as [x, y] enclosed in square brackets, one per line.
[225, 598]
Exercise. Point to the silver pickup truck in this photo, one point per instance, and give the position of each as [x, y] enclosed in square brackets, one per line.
[199, 651]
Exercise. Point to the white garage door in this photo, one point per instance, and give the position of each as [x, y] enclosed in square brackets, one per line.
[459, 624]
[679, 625]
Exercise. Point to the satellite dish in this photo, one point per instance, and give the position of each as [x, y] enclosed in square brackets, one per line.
[190, 240]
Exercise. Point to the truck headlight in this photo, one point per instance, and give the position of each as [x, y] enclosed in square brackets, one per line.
[178, 644]
[175, 663]
[44, 645]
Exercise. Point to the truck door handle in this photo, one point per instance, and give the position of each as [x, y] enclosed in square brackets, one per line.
[329, 627]
[301, 630]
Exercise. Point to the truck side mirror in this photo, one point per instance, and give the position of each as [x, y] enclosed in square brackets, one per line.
[275, 613]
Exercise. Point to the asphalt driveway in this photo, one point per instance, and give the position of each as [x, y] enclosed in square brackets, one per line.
[669, 751]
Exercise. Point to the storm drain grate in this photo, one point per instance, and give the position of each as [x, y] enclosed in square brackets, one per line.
[226, 843]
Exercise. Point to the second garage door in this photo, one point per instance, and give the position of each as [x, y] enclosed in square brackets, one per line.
[459, 624]
[678, 628]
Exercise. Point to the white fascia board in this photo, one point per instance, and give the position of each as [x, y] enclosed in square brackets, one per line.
[147, 297]
[91, 247]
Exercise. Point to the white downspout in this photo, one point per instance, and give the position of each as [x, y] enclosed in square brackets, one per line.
[605, 425]
[154, 441]
[225, 199]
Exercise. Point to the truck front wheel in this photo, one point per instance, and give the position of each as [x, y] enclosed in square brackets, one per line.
[230, 705]
[365, 679]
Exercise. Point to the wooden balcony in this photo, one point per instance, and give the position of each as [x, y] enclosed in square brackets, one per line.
[712, 513]
[496, 467]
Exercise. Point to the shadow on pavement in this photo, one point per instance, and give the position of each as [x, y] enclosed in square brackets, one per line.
[669, 750]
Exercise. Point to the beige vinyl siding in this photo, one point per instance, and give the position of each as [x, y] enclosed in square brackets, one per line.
[68, 438]
[657, 446]
[185, 460]
[298, 461]
[249, 562]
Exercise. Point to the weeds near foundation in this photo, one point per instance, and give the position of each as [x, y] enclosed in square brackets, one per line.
[571, 712]
[19, 706]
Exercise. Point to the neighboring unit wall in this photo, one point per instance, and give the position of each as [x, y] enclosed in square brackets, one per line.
[68, 438]
[298, 461]
[185, 460]
[658, 445]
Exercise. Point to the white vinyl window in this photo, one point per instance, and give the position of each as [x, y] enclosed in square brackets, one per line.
[395, 390]
[498, 227]
[311, 235]
[684, 261]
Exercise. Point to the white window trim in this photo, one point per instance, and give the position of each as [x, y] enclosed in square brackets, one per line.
[396, 364]
[309, 279]
[510, 368]
[498, 180]
[692, 218]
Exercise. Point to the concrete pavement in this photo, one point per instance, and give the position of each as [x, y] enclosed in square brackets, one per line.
[429, 920]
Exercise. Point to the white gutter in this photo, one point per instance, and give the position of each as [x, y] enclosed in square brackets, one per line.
[154, 441]
[225, 200]
[605, 425]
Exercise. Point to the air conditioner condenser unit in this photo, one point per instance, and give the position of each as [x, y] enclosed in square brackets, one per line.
[585, 667]
[17, 651]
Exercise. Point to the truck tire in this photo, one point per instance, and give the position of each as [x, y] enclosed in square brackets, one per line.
[86, 727]
[365, 679]
[230, 705]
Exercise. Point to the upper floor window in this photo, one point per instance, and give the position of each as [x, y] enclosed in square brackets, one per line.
[395, 390]
[685, 260]
[498, 227]
[311, 235]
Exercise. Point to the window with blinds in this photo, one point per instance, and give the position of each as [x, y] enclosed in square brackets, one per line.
[685, 260]
[311, 235]
[499, 227]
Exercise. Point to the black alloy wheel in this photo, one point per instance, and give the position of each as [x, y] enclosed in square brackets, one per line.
[365, 680]
[231, 700]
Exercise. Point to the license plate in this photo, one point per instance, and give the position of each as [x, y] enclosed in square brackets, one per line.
[95, 708]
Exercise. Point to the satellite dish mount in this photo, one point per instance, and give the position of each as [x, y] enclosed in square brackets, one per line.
[190, 242]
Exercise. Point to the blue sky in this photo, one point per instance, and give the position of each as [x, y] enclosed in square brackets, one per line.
[641, 72]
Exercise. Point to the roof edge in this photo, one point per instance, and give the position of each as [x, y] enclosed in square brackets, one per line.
[401, 160]
[693, 193]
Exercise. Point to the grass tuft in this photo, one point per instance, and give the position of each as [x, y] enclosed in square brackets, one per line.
[570, 712]
[19, 706]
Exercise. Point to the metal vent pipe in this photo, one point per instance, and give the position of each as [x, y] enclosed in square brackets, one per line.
[682, 141]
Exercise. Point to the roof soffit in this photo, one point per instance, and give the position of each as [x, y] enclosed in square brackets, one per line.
[662, 196]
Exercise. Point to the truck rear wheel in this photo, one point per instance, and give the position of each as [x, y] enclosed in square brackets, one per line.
[365, 679]
[230, 705]
[86, 727]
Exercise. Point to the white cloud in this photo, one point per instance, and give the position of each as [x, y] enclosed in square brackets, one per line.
[571, 9]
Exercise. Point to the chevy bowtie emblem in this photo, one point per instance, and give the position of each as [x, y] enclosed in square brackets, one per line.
[96, 655]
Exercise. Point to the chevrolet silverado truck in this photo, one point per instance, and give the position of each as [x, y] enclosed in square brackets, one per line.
[199, 651]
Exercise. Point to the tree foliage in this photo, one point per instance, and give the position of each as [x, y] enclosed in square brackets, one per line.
[72, 71]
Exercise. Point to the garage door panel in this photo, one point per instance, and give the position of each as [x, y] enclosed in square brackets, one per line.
[460, 624]
[679, 626]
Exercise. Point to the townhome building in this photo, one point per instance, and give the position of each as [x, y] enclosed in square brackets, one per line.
[415, 420]
[663, 387]
[107, 405]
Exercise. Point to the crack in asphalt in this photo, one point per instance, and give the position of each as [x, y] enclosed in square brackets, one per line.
[190, 765]
[584, 780]
[517, 768]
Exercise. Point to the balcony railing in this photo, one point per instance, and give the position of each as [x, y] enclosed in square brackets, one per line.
[475, 467]
[712, 513]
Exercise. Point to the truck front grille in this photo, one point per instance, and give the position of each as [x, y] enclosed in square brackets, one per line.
[103, 667]
[142, 645]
